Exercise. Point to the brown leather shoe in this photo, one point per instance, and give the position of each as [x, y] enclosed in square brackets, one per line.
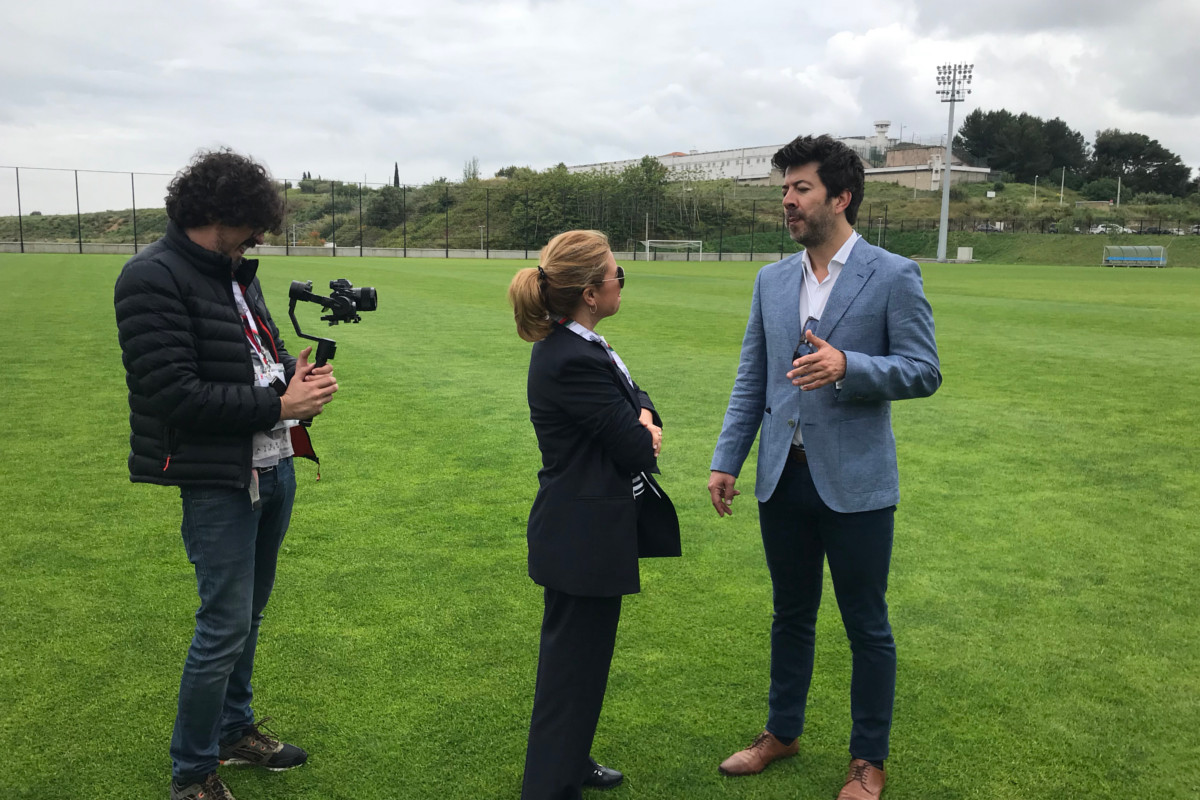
[863, 782]
[754, 759]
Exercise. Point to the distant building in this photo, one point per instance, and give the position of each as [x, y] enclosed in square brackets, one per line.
[920, 167]
[886, 161]
[748, 165]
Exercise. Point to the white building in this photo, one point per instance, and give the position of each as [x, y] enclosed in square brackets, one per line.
[743, 164]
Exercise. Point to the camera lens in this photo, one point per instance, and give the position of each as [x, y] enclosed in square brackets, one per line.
[365, 299]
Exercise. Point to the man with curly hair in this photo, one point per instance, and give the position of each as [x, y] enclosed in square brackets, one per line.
[214, 399]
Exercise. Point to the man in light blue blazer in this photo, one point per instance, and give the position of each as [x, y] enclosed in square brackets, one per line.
[835, 334]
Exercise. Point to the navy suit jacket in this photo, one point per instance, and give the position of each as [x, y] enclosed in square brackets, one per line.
[586, 530]
[878, 316]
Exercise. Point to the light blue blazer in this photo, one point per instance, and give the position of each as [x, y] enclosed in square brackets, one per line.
[878, 316]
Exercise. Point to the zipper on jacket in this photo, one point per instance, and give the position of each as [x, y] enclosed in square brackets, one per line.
[169, 445]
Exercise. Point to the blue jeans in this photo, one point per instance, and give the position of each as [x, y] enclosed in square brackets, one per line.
[234, 549]
[799, 531]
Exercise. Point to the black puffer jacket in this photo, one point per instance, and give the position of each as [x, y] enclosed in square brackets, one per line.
[193, 405]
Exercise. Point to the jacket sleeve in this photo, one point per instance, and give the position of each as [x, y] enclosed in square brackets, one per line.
[644, 402]
[748, 398]
[911, 368]
[592, 401]
[158, 343]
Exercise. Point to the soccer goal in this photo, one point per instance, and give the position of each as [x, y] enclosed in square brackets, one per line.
[686, 246]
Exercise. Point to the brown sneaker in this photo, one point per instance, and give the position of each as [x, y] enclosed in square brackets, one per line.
[762, 751]
[863, 782]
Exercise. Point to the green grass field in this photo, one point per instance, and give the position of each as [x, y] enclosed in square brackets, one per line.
[1044, 586]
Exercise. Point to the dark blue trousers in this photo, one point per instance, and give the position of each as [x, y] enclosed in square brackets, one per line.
[234, 548]
[578, 636]
[799, 531]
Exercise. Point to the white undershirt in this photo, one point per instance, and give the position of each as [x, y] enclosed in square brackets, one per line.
[814, 294]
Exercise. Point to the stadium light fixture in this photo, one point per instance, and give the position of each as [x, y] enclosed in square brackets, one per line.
[953, 81]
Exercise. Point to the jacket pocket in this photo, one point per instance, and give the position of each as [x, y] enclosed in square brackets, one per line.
[170, 439]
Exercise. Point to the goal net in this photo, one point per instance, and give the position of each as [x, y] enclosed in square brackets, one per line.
[685, 246]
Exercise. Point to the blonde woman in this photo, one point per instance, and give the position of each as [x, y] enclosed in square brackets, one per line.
[598, 508]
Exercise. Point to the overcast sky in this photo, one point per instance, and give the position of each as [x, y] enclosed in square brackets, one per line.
[344, 88]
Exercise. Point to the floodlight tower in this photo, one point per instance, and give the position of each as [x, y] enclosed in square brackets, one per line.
[952, 80]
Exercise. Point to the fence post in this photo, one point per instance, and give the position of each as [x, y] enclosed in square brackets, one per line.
[333, 213]
[404, 215]
[20, 224]
[632, 234]
[487, 223]
[721, 240]
[526, 223]
[360, 241]
[883, 237]
[446, 232]
[287, 243]
[78, 215]
[133, 199]
[753, 225]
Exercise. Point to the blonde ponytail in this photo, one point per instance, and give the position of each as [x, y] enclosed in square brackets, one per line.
[570, 262]
[529, 305]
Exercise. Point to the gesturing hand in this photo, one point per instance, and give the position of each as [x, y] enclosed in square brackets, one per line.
[310, 389]
[825, 366]
[720, 489]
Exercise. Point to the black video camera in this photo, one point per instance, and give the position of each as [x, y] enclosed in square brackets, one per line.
[343, 305]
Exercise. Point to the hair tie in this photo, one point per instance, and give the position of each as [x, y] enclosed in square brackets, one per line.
[541, 274]
[543, 281]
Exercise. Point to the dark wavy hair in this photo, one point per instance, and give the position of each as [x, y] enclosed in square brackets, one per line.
[221, 186]
[838, 167]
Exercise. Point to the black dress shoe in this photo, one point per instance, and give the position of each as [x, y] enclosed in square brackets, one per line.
[601, 777]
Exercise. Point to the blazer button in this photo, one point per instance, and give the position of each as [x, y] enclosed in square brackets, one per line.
[791, 423]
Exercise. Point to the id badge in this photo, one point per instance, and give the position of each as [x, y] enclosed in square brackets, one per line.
[255, 500]
[277, 374]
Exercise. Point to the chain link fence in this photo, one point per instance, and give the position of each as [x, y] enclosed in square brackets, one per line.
[91, 211]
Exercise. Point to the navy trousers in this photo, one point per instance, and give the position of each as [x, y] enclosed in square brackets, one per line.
[799, 531]
[578, 635]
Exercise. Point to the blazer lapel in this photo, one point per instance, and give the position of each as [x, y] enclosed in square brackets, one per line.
[781, 306]
[617, 375]
[854, 276]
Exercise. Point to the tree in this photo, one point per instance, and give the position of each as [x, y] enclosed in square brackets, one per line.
[1066, 147]
[396, 176]
[513, 172]
[1142, 163]
[1100, 189]
[1021, 144]
[471, 170]
[385, 209]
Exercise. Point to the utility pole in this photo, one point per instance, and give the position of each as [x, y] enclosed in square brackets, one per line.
[952, 80]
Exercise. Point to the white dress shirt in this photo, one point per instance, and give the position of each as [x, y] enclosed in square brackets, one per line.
[814, 294]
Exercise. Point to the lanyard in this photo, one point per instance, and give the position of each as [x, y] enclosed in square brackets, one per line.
[248, 326]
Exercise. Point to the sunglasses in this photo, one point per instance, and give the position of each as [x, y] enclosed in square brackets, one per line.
[620, 279]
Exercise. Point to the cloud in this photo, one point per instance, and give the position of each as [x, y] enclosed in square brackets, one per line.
[346, 89]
